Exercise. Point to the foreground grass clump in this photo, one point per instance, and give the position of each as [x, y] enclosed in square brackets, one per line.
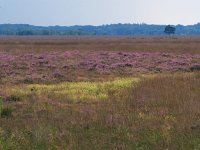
[77, 91]
[4, 111]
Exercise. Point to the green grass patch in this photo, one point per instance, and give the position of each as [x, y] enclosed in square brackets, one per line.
[81, 91]
[4, 111]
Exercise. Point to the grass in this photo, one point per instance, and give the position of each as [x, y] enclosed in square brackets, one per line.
[76, 91]
[134, 112]
[4, 111]
[161, 112]
[37, 44]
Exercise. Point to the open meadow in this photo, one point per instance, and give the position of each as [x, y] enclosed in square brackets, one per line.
[96, 93]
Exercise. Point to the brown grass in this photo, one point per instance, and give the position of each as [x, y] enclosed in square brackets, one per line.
[160, 113]
[141, 44]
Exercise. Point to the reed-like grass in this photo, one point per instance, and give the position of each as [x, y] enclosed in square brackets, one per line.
[161, 112]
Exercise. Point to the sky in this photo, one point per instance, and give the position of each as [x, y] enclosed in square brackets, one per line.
[98, 12]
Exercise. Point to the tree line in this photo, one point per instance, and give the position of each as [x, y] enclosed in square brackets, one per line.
[111, 30]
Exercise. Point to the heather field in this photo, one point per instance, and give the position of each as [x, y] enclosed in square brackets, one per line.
[71, 93]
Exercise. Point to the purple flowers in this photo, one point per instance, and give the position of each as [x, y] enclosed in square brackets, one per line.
[45, 64]
[148, 61]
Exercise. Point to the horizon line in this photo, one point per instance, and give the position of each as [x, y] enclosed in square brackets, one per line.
[97, 25]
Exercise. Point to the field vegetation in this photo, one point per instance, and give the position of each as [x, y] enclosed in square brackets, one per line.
[99, 93]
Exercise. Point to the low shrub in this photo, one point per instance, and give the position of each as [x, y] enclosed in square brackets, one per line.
[14, 98]
[4, 111]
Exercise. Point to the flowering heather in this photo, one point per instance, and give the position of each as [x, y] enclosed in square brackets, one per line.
[53, 65]
[150, 62]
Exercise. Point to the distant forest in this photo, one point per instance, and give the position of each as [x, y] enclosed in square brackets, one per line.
[111, 30]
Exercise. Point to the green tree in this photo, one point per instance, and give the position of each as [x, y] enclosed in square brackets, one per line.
[170, 29]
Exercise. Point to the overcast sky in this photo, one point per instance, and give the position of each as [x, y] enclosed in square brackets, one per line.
[98, 12]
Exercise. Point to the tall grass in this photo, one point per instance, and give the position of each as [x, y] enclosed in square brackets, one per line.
[159, 113]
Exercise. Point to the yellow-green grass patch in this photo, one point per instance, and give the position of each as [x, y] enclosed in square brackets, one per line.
[76, 91]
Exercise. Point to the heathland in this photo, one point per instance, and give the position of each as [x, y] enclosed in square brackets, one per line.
[99, 93]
